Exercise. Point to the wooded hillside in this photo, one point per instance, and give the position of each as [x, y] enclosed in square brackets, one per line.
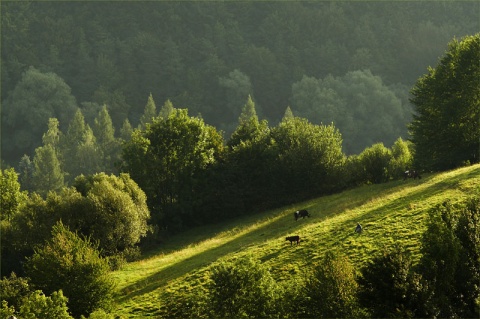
[352, 63]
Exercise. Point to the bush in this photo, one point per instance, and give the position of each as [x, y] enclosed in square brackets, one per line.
[401, 159]
[72, 264]
[39, 306]
[375, 162]
[13, 289]
[36, 305]
[331, 290]
[244, 288]
[451, 259]
[389, 288]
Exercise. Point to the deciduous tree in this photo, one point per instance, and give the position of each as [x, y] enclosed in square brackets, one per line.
[166, 159]
[446, 123]
[37, 98]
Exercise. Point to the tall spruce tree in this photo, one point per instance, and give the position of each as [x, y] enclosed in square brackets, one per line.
[25, 171]
[48, 174]
[249, 127]
[149, 113]
[105, 136]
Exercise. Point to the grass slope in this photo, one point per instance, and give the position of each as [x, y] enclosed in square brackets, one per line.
[391, 213]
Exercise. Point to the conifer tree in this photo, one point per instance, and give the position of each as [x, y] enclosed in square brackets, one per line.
[148, 114]
[88, 156]
[249, 127]
[166, 110]
[288, 114]
[48, 175]
[78, 144]
[26, 170]
[53, 134]
[126, 131]
[105, 138]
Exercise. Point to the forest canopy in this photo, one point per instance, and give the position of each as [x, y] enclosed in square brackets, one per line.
[209, 56]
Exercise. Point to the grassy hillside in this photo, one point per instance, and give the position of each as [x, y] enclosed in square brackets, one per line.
[391, 213]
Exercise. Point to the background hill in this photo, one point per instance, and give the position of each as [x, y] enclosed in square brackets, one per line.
[208, 56]
[391, 214]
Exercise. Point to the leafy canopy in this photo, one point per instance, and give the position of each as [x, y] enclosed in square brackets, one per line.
[446, 125]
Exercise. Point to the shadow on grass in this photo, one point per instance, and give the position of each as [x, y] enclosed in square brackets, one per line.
[283, 224]
[381, 219]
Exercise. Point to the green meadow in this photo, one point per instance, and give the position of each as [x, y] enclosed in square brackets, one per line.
[391, 214]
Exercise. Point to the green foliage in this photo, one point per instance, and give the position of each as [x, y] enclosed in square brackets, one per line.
[374, 163]
[228, 50]
[72, 264]
[36, 98]
[166, 160]
[10, 195]
[48, 174]
[100, 314]
[14, 289]
[53, 135]
[363, 108]
[6, 311]
[451, 250]
[35, 305]
[249, 127]
[238, 88]
[39, 306]
[330, 291]
[308, 158]
[79, 148]
[242, 289]
[25, 171]
[126, 131]
[392, 214]
[402, 158]
[149, 113]
[390, 288]
[445, 129]
[115, 213]
[108, 145]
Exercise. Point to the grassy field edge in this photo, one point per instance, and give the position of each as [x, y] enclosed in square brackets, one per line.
[393, 213]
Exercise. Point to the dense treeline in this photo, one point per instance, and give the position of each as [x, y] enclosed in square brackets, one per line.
[330, 62]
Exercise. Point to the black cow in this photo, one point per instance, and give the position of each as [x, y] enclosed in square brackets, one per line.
[301, 213]
[293, 239]
[411, 174]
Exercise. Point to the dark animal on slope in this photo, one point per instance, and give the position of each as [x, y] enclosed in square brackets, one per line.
[359, 228]
[411, 174]
[293, 239]
[301, 213]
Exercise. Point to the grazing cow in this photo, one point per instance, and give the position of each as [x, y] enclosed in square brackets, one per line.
[301, 213]
[293, 239]
[359, 228]
[411, 174]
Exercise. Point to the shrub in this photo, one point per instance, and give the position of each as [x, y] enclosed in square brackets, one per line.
[389, 288]
[451, 259]
[72, 264]
[13, 289]
[244, 288]
[331, 290]
[375, 161]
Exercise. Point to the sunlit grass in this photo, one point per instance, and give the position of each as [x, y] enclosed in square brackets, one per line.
[391, 214]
